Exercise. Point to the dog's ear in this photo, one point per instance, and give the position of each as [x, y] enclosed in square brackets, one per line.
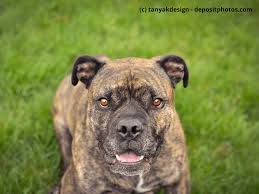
[175, 67]
[85, 68]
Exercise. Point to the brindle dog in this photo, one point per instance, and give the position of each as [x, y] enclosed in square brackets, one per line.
[118, 129]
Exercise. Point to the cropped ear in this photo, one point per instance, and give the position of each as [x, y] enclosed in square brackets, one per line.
[84, 69]
[176, 69]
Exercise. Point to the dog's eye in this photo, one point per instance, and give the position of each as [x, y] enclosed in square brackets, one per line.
[103, 102]
[158, 102]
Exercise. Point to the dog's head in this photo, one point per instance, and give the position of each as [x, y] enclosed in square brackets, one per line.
[130, 106]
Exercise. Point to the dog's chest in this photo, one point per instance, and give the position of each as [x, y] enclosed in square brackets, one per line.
[155, 180]
[141, 186]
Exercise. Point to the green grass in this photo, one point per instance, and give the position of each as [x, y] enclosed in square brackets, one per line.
[219, 110]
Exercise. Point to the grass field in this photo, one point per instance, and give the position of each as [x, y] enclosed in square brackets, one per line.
[219, 110]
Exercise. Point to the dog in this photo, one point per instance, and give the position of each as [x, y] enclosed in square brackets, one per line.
[117, 127]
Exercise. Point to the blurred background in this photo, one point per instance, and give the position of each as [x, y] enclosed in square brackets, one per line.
[39, 40]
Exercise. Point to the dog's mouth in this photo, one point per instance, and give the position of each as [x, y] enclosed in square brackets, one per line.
[129, 158]
[130, 164]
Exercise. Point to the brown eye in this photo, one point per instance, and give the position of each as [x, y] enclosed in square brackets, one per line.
[157, 102]
[104, 102]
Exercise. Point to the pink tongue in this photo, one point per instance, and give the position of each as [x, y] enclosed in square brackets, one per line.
[129, 157]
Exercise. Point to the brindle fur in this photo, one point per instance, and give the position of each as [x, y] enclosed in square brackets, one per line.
[76, 122]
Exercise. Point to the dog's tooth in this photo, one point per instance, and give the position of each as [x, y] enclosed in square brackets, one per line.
[118, 157]
[141, 158]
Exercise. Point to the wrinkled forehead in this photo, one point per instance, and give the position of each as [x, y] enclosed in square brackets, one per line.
[132, 76]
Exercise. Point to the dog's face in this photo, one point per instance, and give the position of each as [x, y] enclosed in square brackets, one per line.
[130, 104]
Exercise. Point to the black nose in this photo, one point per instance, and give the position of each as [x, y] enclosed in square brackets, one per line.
[129, 128]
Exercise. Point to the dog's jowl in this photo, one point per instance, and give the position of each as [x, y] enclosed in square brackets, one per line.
[118, 129]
